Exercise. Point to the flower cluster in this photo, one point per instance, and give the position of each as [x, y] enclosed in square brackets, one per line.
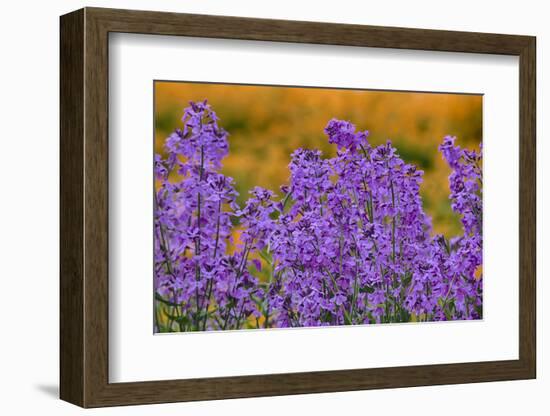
[347, 242]
[194, 273]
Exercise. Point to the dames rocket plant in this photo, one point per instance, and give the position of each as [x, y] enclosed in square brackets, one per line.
[346, 242]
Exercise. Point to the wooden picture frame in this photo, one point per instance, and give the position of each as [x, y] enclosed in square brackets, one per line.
[84, 207]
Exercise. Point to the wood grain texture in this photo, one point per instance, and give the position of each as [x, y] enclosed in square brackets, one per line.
[71, 218]
[84, 207]
[527, 207]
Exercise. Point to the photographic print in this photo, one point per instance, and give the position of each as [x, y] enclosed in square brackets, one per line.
[303, 220]
[288, 207]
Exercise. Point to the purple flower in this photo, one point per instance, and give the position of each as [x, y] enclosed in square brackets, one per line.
[193, 225]
[348, 242]
[342, 133]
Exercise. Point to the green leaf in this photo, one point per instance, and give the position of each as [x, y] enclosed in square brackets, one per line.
[266, 256]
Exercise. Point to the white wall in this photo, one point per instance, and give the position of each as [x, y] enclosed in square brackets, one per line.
[29, 207]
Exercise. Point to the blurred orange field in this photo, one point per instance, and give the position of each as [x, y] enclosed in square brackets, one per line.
[267, 123]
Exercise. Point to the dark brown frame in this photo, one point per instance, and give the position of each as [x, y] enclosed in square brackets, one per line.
[84, 207]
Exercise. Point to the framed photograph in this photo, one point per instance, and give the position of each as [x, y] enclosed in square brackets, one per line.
[255, 207]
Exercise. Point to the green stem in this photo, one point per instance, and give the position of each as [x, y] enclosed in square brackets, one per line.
[444, 305]
[209, 284]
[157, 323]
[198, 244]
[227, 318]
